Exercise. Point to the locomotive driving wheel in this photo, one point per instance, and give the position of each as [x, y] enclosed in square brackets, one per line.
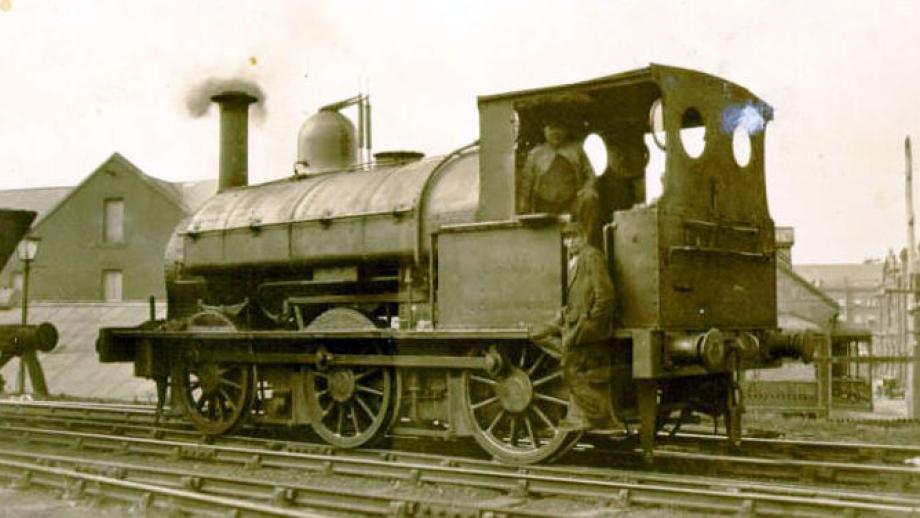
[350, 406]
[217, 398]
[516, 414]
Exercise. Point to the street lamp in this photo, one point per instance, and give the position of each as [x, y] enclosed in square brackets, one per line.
[26, 251]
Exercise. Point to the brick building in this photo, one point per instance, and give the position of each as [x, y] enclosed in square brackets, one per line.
[856, 288]
[100, 258]
[103, 240]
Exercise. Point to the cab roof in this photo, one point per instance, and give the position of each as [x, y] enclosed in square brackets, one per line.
[653, 76]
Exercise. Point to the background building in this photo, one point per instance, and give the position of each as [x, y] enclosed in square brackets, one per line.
[801, 305]
[873, 294]
[818, 387]
[103, 240]
[856, 288]
[99, 259]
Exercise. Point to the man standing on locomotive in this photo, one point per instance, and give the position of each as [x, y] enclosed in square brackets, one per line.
[580, 335]
[557, 178]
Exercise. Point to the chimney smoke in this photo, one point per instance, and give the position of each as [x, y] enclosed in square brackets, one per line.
[234, 138]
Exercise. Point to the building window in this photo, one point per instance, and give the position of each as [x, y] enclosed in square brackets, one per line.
[17, 281]
[111, 285]
[113, 224]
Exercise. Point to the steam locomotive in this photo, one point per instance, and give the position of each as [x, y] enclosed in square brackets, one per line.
[397, 296]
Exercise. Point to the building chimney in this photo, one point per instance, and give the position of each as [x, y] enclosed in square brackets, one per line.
[234, 139]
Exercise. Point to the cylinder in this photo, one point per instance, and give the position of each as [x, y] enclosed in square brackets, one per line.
[707, 349]
[791, 345]
[17, 338]
[234, 139]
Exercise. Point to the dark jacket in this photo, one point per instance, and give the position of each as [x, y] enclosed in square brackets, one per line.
[552, 178]
[588, 316]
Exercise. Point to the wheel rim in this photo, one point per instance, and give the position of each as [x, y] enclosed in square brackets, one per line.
[217, 398]
[350, 406]
[516, 415]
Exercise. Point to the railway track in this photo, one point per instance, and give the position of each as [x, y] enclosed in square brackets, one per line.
[895, 454]
[857, 465]
[518, 486]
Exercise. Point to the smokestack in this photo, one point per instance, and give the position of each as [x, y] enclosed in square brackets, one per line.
[234, 138]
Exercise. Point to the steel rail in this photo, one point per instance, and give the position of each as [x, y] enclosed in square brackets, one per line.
[274, 493]
[894, 478]
[142, 495]
[519, 482]
[878, 452]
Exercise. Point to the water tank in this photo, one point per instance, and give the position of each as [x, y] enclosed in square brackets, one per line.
[327, 141]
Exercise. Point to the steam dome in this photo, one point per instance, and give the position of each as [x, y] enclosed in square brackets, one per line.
[327, 141]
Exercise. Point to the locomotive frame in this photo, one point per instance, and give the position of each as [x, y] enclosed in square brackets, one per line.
[398, 297]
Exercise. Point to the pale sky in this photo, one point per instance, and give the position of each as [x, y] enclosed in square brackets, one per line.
[81, 80]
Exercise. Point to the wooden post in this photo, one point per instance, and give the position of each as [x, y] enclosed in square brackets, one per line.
[912, 347]
[914, 323]
[25, 321]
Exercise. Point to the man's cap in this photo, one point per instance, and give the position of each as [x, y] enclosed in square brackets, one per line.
[571, 228]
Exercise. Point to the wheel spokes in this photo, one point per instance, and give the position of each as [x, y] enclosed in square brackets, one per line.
[529, 426]
[369, 390]
[536, 365]
[216, 398]
[550, 399]
[516, 415]
[485, 402]
[546, 421]
[225, 381]
[348, 406]
[364, 406]
[228, 400]
[495, 421]
[480, 379]
[547, 379]
[354, 419]
[362, 375]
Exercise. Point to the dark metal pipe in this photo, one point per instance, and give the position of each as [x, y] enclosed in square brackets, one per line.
[362, 158]
[16, 339]
[234, 139]
[791, 345]
[707, 349]
[367, 128]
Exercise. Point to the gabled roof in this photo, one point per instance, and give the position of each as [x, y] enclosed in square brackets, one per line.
[188, 196]
[806, 284]
[857, 275]
[40, 200]
[194, 194]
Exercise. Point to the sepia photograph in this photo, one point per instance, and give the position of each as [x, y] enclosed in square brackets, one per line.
[307, 258]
